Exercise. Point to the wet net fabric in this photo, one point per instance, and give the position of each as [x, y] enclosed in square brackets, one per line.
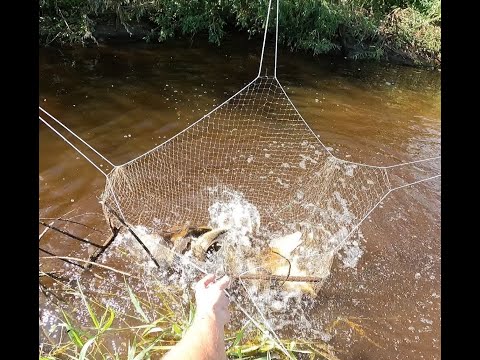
[255, 150]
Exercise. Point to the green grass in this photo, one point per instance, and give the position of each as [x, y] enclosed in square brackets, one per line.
[358, 29]
[149, 331]
[413, 33]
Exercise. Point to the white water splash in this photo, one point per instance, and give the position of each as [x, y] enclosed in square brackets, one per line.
[234, 212]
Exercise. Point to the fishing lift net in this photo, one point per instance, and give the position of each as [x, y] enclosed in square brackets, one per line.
[254, 168]
[257, 150]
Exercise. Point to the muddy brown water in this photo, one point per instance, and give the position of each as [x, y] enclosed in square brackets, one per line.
[126, 99]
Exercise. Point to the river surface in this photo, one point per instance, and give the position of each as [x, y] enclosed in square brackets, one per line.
[125, 99]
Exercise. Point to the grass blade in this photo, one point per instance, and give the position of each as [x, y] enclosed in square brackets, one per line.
[109, 322]
[83, 352]
[136, 304]
[239, 337]
[131, 351]
[71, 332]
[144, 352]
[90, 311]
[177, 329]
[153, 330]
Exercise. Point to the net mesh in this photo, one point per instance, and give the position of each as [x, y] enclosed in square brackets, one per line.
[254, 166]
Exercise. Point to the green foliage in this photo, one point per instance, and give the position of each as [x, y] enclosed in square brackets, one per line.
[360, 28]
[89, 340]
[189, 17]
[65, 21]
[411, 32]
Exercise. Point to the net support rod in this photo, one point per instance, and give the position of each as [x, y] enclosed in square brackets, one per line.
[73, 146]
[415, 182]
[196, 122]
[276, 44]
[410, 162]
[343, 160]
[78, 137]
[81, 153]
[342, 242]
[265, 39]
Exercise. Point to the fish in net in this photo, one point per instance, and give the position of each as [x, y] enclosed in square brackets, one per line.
[252, 166]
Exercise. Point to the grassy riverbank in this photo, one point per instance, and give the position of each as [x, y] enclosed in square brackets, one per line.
[401, 31]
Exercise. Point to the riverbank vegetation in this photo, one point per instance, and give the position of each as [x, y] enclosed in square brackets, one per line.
[404, 31]
[80, 324]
